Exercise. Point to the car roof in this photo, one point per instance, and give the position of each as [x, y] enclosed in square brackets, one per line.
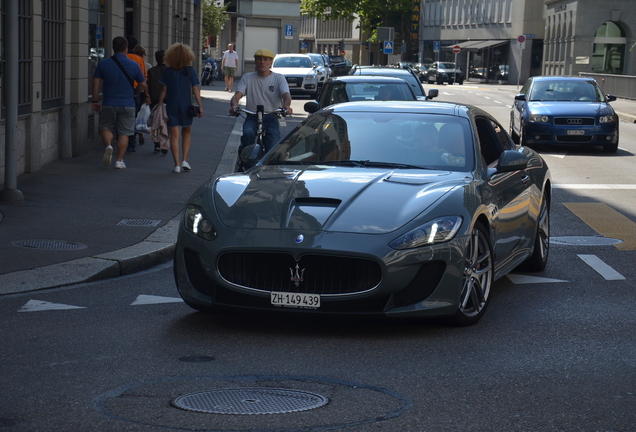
[422, 107]
[561, 78]
[292, 55]
[368, 79]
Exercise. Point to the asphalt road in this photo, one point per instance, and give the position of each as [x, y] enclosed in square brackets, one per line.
[554, 352]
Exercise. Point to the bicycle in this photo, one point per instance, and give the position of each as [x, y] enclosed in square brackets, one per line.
[249, 155]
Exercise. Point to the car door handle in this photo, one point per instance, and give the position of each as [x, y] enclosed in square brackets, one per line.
[525, 179]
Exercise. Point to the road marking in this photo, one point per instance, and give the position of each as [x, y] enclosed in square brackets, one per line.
[557, 155]
[601, 268]
[607, 222]
[595, 186]
[38, 305]
[519, 279]
[150, 299]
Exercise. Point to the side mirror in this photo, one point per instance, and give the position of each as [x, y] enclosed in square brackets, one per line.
[312, 106]
[432, 93]
[512, 160]
[520, 97]
[610, 98]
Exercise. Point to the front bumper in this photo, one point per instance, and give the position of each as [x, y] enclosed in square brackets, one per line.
[416, 283]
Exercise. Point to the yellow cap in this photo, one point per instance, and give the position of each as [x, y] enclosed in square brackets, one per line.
[264, 53]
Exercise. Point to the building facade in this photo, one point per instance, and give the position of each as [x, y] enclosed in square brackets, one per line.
[60, 44]
[530, 37]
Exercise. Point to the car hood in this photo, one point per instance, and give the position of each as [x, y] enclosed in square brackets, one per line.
[337, 199]
[294, 71]
[570, 109]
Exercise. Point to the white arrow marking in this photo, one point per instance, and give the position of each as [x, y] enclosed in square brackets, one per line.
[518, 279]
[150, 299]
[601, 268]
[38, 305]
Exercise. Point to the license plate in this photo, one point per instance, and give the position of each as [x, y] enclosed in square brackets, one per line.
[295, 300]
[576, 132]
[292, 84]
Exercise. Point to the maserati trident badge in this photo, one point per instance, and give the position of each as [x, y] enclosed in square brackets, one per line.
[300, 238]
[297, 277]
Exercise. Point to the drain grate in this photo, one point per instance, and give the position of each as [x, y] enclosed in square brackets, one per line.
[49, 244]
[250, 401]
[584, 241]
[139, 222]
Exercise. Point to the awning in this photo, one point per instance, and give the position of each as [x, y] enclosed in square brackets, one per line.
[477, 44]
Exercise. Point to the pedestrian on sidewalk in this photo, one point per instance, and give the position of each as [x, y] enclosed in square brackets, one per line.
[141, 96]
[180, 82]
[141, 52]
[117, 112]
[154, 88]
[229, 65]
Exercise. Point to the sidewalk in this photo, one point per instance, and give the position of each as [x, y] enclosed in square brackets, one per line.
[81, 221]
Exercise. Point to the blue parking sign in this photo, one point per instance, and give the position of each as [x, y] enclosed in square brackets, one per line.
[289, 30]
[436, 46]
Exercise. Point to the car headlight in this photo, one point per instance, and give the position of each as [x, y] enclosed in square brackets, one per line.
[607, 119]
[310, 78]
[538, 118]
[196, 223]
[439, 230]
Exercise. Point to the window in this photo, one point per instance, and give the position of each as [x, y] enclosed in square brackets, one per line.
[52, 53]
[609, 49]
[25, 56]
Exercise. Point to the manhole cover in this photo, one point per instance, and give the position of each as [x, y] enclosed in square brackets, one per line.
[584, 241]
[50, 244]
[250, 401]
[139, 222]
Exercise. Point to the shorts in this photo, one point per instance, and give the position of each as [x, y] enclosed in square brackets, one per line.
[117, 119]
[229, 71]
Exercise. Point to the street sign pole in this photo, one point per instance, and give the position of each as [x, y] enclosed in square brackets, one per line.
[522, 42]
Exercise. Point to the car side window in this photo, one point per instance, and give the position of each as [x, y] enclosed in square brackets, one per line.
[492, 140]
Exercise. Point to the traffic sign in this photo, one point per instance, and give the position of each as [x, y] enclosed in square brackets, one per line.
[289, 31]
[521, 39]
[436, 46]
[457, 49]
[388, 47]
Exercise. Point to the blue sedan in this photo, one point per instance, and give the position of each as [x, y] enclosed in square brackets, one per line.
[557, 110]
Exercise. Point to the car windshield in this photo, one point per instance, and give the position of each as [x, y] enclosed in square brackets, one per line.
[378, 139]
[447, 65]
[399, 73]
[292, 62]
[565, 91]
[349, 92]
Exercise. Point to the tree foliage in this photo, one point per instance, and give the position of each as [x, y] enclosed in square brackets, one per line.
[372, 13]
[214, 17]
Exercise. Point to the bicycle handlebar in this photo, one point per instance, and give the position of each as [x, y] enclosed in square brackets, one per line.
[278, 111]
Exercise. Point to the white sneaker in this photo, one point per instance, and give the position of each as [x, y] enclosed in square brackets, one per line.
[185, 166]
[120, 165]
[108, 155]
[176, 169]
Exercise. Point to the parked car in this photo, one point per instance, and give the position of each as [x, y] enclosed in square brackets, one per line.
[559, 110]
[406, 74]
[441, 72]
[479, 73]
[360, 88]
[420, 70]
[406, 209]
[339, 65]
[305, 73]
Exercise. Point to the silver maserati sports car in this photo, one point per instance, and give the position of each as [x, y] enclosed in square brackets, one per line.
[388, 208]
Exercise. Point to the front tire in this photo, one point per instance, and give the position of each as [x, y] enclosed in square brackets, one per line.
[477, 278]
[539, 258]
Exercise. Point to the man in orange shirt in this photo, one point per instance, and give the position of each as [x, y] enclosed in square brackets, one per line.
[141, 97]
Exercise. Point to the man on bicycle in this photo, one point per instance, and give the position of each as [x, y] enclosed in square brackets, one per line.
[265, 88]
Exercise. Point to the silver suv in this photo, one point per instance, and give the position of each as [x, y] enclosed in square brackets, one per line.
[305, 73]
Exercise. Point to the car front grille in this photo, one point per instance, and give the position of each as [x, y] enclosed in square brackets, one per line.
[296, 81]
[574, 121]
[311, 274]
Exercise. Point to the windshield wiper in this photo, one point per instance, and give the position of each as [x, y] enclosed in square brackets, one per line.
[368, 163]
